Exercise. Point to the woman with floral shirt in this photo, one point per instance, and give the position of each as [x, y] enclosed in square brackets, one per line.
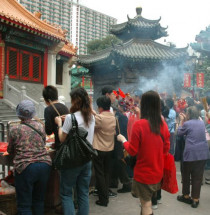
[32, 164]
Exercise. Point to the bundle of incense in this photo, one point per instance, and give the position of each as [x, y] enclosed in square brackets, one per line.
[51, 103]
[205, 105]
[174, 96]
[39, 120]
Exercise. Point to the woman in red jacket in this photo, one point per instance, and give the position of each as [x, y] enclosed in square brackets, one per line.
[149, 141]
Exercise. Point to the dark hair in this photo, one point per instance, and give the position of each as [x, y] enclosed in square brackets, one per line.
[50, 93]
[107, 89]
[81, 102]
[150, 110]
[104, 102]
[190, 101]
[164, 109]
[199, 107]
[169, 103]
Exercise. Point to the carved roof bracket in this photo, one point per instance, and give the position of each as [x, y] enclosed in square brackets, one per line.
[56, 47]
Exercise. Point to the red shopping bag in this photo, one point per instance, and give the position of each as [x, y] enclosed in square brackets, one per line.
[131, 119]
[169, 182]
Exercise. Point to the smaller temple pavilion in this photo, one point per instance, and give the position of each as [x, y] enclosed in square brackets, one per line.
[138, 55]
[203, 42]
[33, 53]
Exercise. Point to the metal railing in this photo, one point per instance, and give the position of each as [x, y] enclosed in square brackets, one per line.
[2, 132]
[13, 97]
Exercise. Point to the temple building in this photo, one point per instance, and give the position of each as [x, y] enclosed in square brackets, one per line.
[33, 53]
[138, 57]
[202, 44]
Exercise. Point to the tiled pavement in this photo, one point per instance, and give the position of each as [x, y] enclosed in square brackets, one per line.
[125, 204]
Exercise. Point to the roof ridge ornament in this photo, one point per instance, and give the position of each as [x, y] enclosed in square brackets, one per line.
[38, 14]
[138, 11]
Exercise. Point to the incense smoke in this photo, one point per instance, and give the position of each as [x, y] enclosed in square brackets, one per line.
[168, 80]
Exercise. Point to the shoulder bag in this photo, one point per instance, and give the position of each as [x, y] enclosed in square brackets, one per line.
[39, 132]
[75, 150]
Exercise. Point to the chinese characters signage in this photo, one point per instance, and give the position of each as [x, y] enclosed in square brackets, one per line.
[187, 80]
[200, 80]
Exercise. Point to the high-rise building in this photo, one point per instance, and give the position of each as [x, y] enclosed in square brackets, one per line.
[83, 24]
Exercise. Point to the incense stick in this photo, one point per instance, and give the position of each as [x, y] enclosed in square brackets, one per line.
[174, 97]
[205, 105]
[54, 107]
[39, 120]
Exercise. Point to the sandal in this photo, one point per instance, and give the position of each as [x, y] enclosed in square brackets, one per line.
[181, 198]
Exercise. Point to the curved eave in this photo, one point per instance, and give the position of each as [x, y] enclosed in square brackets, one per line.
[138, 21]
[201, 47]
[205, 37]
[118, 28]
[30, 29]
[68, 50]
[162, 30]
[136, 50]
[140, 50]
[95, 58]
[13, 13]
[67, 54]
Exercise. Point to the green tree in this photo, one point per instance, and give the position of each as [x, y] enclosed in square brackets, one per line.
[97, 45]
[202, 45]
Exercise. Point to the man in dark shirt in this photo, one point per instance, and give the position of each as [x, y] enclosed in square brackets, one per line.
[50, 94]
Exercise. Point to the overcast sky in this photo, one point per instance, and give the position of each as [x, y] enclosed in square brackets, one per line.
[184, 18]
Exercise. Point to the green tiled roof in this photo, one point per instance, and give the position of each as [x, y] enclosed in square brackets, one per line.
[79, 70]
[204, 35]
[140, 24]
[203, 41]
[135, 49]
[138, 21]
[97, 57]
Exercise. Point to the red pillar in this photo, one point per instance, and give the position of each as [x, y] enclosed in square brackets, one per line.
[2, 65]
[45, 67]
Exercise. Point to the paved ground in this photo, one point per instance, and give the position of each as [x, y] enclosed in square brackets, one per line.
[125, 204]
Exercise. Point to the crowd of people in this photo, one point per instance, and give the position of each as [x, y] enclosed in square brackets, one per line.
[131, 141]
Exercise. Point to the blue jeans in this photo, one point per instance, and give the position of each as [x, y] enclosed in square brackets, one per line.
[30, 188]
[79, 177]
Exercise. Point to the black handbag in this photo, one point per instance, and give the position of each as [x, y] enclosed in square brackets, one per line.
[179, 149]
[75, 150]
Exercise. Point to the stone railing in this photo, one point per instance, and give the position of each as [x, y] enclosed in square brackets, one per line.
[13, 97]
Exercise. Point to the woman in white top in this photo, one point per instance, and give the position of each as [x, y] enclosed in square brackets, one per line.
[78, 177]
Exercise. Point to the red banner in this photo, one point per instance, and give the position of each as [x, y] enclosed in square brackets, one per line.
[2, 66]
[187, 80]
[200, 80]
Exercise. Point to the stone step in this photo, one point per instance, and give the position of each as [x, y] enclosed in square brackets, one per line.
[8, 118]
[3, 106]
[7, 112]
